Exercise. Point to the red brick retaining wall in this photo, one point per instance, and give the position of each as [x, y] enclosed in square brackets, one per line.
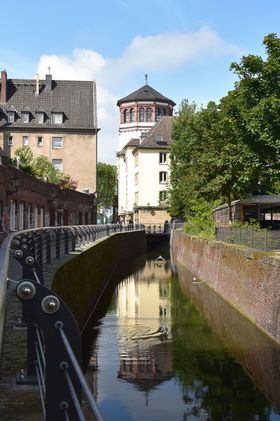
[248, 279]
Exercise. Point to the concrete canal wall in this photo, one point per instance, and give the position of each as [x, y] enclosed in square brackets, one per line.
[246, 278]
[81, 281]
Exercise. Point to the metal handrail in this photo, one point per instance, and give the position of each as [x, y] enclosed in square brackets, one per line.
[33, 249]
[79, 372]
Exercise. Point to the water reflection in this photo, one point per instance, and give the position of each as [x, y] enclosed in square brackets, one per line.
[143, 311]
[156, 357]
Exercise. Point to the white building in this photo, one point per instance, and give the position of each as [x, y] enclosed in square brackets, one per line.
[143, 160]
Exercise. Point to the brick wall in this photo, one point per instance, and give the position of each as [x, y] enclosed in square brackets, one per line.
[248, 279]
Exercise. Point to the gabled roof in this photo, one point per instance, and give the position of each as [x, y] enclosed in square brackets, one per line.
[159, 136]
[145, 93]
[76, 99]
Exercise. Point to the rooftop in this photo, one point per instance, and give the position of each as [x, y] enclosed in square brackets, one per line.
[145, 93]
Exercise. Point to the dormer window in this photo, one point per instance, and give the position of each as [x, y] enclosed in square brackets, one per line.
[57, 117]
[11, 116]
[25, 115]
[40, 117]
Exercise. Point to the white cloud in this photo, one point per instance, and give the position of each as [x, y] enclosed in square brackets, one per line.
[162, 52]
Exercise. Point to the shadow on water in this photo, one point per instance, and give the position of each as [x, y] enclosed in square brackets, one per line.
[256, 353]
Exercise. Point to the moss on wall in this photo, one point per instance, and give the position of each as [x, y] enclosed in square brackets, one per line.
[80, 281]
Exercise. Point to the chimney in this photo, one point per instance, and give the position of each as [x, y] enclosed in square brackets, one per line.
[3, 95]
[37, 84]
[49, 82]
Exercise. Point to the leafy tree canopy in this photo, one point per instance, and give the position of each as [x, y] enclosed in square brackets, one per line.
[106, 184]
[224, 151]
[42, 168]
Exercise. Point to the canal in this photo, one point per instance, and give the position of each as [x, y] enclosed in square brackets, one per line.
[165, 347]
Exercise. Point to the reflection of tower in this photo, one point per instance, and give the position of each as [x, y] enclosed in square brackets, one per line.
[144, 321]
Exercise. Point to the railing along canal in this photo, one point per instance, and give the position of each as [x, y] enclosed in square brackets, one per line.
[161, 228]
[263, 239]
[53, 338]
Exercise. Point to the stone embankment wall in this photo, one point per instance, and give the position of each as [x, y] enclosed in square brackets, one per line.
[246, 278]
[81, 281]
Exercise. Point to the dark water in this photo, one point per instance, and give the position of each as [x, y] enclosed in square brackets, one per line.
[171, 349]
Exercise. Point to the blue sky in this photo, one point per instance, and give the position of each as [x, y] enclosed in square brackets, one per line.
[185, 47]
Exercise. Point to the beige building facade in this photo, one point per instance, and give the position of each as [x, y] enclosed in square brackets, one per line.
[56, 119]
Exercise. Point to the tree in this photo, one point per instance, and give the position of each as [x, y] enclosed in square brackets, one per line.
[23, 159]
[106, 184]
[258, 96]
[44, 170]
[230, 149]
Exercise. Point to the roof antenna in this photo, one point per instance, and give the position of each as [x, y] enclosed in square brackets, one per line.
[146, 78]
[49, 70]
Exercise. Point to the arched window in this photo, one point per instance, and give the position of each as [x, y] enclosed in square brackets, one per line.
[158, 114]
[149, 114]
[132, 114]
[125, 116]
[141, 114]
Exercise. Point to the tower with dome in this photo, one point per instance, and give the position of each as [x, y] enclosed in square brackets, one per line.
[143, 157]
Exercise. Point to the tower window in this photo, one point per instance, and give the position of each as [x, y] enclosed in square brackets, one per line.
[149, 114]
[132, 115]
[126, 116]
[141, 114]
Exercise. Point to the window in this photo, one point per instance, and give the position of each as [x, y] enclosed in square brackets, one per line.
[136, 159]
[25, 140]
[40, 141]
[132, 115]
[162, 157]
[11, 116]
[136, 197]
[57, 163]
[162, 196]
[25, 116]
[136, 179]
[163, 177]
[57, 118]
[40, 118]
[10, 141]
[149, 114]
[125, 116]
[57, 142]
[141, 114]
[158, 114]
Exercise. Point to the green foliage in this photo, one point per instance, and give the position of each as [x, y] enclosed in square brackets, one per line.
[106, 184]
[23, 159]
[42, 168]
[228, 150]
[200, 221]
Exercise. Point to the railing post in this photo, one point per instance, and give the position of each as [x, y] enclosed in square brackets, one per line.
[66, 241]
[48, 247]
[49, 313]
[57, 243]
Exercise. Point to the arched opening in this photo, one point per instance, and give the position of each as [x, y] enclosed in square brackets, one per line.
[149, 114]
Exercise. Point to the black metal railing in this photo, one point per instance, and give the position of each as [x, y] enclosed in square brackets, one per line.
[53, 338]
[263, 239]
[161, 228]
